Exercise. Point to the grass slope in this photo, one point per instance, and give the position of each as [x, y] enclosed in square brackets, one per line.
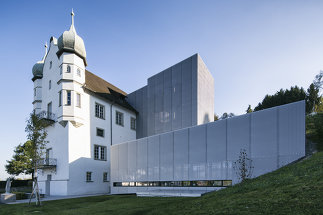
[294, 189]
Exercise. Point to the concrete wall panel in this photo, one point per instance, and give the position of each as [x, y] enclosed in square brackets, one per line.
[167, 108]
[177, 97]
[238, 136]
[197, 152]
[181, 154]
[142, 160]
[186, 93]
[166, 157]
[132, 160]
[216, 150]
[123, 162]
[153, 158]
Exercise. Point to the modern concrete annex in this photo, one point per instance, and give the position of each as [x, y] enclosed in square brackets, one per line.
[161, 136]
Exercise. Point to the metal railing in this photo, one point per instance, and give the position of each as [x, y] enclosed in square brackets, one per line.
[47, 115]
[47, 163]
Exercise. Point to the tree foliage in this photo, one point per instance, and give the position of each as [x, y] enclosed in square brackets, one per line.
[27, 155]
[21, 162]
[318, 81]
[312, 98]
[36, 134]
[282, 97]
[249, 109]
[243, 166]
[294, 94]
[216, 117]
[227, 115]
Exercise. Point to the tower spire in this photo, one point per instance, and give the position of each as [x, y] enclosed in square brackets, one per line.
[72, 25]
[45, 51]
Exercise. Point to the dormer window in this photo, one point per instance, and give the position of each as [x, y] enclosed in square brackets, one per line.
[50, 64]
[79, 72]
[68, 69]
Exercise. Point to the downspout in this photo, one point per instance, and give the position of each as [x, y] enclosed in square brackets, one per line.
[111, 122]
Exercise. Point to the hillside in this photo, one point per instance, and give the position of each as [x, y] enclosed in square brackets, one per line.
[293, 189]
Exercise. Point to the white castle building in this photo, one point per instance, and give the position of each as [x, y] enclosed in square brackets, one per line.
[160, 137]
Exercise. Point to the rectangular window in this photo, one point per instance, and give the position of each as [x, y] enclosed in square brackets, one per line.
[49, 84]
[99, 111]
[68, 97]
[34, 91]
[60, 98]
[133, 123]
[88, 176]
[61, 69]
[99, 132]
[100, 152]
[78, 100]
[105, 177]
[119, 118]
[49, 109]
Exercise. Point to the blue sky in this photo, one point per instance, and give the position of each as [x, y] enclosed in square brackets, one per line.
[252, 48]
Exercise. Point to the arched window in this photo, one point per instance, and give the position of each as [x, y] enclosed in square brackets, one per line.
[68, 69]
[79, 72]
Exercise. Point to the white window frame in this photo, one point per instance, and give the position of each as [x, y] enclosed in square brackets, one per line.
[68, 69]
[78, 100]
[102, 132]
[119, 118]
[133, 125]
[99, 111]
[88, 176]
[68, 97]
[105, 177]
[59, 98]
[100, 153]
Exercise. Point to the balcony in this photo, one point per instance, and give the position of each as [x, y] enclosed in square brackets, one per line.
[48, 163]
[48, 117]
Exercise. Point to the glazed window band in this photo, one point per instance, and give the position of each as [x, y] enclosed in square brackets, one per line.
[209, 183]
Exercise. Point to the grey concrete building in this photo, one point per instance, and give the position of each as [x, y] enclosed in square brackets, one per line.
[178, 97]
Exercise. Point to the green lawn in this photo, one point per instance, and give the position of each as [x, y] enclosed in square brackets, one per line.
[294, 189]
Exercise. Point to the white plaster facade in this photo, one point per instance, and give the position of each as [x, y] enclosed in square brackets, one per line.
[72, 133]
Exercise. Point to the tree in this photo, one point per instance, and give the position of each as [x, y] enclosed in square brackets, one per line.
[282, 97]
[318, 81]
[216, 117]
[312, 98]
[226, 115]
[243, 166]
[36, 134]
[249, 110]
[21, 162]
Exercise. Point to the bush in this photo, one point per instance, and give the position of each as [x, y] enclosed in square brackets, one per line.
[20, 195]
[17, 183]
[314, 129]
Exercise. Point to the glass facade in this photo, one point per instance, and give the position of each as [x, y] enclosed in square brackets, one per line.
[204, 183]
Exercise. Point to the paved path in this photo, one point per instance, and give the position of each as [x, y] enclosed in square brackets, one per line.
[51, 198]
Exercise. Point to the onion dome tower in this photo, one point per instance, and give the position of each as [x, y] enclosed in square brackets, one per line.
[70, 42]
[38, 67]
[37, 79]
